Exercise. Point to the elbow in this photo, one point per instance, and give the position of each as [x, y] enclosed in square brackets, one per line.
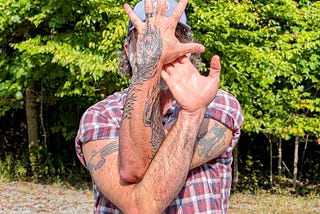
[143, 206]
[131, 175]
[142, 202]
[132, 167]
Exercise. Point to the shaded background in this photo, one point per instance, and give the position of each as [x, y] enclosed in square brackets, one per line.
[57, 57]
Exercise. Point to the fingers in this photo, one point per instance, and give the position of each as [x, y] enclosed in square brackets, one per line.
[215, 67]
[166, 73]
[186, 48]
[175, 69]
[168, 69]
[133, 17]
[215, 63]
[176, 14]
[161, 7]
[148, 7]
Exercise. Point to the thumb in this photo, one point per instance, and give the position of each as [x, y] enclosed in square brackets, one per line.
[191, 48]
[215, 67]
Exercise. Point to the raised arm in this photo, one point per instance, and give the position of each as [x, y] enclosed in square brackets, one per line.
[141, 131]
[167, 172]
[216, 133]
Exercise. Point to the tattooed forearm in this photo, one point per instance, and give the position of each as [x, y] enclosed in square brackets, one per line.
[97, 159]
[212, 141]
[131, 99]
[152, 118]
[148, 54]
[144, 68]
[152, 105]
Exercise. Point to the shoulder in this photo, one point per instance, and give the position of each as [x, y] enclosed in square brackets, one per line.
[226, 109]
[226, 99]
[102, 119]
[112, 102]
[106, 109]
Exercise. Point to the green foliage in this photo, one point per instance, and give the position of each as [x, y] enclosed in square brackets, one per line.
[69, 48]
[253, 177]
[270, 53]
[49, 168]
[270, 60]
[12, 169]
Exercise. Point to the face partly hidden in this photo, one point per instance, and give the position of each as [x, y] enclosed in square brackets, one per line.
[182, 34]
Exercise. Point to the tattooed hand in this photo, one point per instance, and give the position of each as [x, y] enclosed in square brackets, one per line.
[156, 35]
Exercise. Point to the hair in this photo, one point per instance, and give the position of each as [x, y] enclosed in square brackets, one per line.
[183, 34]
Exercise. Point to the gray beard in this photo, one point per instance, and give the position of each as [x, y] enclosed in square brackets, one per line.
[163, 85]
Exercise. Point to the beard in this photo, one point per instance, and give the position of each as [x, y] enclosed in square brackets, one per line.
[163, 85]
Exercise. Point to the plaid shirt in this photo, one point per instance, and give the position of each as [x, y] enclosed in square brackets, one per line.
[207, 188]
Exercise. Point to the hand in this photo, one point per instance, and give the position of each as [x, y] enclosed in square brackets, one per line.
[156, 36]
[190, 89]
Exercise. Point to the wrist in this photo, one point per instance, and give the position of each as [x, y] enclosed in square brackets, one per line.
[142, 73]
[194, 114]
[191, 120]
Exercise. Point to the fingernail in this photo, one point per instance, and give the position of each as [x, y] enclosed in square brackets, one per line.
[202, 48]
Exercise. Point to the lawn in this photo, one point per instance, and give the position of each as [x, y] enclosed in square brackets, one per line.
[245, 203]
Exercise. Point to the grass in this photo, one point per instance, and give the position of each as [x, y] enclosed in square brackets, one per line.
[264, 203]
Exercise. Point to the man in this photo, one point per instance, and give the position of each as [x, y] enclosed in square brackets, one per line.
[164, 144]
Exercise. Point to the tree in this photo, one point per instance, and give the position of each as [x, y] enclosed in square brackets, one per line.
[270, 61]
[63, 52]
[64, 47]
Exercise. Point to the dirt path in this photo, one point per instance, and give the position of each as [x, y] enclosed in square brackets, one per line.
[242, 203]
[25, 197]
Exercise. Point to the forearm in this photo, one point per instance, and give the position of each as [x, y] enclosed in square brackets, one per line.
[213, 139]
[211, 144]
[169, 168]
[141, 130]
[163, 179]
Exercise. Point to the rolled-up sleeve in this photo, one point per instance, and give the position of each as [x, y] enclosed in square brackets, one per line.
[100, 121]
[226, 109]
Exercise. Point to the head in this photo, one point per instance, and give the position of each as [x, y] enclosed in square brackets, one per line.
[183, 34]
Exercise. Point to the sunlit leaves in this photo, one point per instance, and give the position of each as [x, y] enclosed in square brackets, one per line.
[270, 60]
[269, 52]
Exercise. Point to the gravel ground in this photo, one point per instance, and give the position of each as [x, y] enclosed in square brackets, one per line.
[25, 197]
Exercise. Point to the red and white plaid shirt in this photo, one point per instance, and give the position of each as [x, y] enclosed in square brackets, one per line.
[207, 188]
